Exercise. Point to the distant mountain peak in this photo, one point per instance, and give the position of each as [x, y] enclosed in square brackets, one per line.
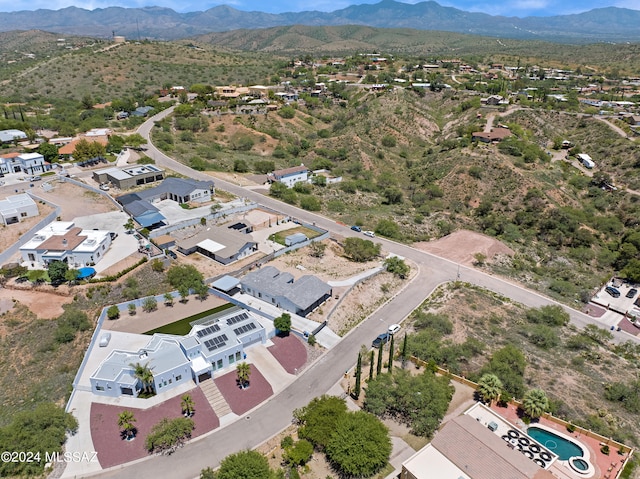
[602, 24]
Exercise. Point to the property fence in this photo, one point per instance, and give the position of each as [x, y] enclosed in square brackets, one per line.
[15, 247]
[196, 221]
[550, 417]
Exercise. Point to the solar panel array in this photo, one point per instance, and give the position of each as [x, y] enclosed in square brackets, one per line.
[237, 318]
[244, 329]
[217, 342]
[209, 330]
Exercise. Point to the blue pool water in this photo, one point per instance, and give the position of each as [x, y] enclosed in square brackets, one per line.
[556, 444]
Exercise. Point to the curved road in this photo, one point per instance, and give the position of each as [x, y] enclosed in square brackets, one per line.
[274, 415]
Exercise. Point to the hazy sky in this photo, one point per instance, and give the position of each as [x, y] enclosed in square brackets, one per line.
[519, 8]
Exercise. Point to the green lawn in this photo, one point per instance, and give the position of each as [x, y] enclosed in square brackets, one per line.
[182, 326]
[281, 235]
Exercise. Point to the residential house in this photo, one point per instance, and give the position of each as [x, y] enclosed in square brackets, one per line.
[130, 176]
[472, 446]
[15, 208]
[289, 176]
[63, 241]
[222, 244]
[494, 100]
[231, 91]
[69, 148]
[299, 296]
[162, 355]
[29, 163]
[495, 135]
[9, 136]
[180, 190]
[213, 344]
[259, 91]
[141, 210]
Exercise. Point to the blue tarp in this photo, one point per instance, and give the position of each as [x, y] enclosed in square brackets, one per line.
[85, 273]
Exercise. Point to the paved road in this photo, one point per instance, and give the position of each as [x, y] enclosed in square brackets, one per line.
[276, 413]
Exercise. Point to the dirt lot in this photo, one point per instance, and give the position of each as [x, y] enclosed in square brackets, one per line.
[45, 305]
[462, 245]
[10, 234]
[73, 200]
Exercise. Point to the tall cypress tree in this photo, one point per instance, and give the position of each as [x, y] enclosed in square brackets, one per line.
[404, 350]
[391, 347]
[371, 365]
[379, 365]
[356, 389]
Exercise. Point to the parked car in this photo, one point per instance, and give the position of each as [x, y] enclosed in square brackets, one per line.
[394, 328]
[615, 292]
[356, 228]
[637, 302]
[381, 339]
[104, 187]
[171, 254]
[35, 178]
[370, 234]
[631, 293]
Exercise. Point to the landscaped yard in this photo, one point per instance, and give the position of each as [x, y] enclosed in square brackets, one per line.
[183, 326]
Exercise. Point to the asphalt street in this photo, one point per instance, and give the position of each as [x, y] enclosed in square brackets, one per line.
[276, 414]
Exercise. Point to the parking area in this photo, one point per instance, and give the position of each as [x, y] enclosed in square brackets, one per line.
[618, 296]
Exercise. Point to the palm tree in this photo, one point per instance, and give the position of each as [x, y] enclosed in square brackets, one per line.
[126, 422]
[129, 225]
[244, 372]
[535, 403]
[143, 373]
[187, 405]
[168, 299]
[489, 388]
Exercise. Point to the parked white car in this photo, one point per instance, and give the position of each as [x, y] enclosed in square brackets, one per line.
[370, 234]
[394, 328]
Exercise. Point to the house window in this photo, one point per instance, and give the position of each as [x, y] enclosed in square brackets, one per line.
[109, 386]
[23, 214]
[219, 363]
[170, 381]
[102, 247]
[178, 377]
[231, 359]
[238, 356]
[99, 388]
[32, 257]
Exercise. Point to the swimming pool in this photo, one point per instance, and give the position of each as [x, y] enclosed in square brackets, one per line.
[564, 448]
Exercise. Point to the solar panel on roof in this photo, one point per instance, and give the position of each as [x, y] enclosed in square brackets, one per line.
[217, 342]
[237, 318]
[208, 330]
[244, 328]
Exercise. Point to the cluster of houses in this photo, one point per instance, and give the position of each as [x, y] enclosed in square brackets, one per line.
[214, 342]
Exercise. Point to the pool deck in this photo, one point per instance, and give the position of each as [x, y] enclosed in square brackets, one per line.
[606, 466]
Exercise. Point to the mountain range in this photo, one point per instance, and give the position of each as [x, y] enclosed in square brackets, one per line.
[610, 24]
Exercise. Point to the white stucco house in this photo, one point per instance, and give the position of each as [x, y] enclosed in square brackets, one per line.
[290, 176]
[29, 163]
[15, 208]
[63, 241]
[213, 344]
